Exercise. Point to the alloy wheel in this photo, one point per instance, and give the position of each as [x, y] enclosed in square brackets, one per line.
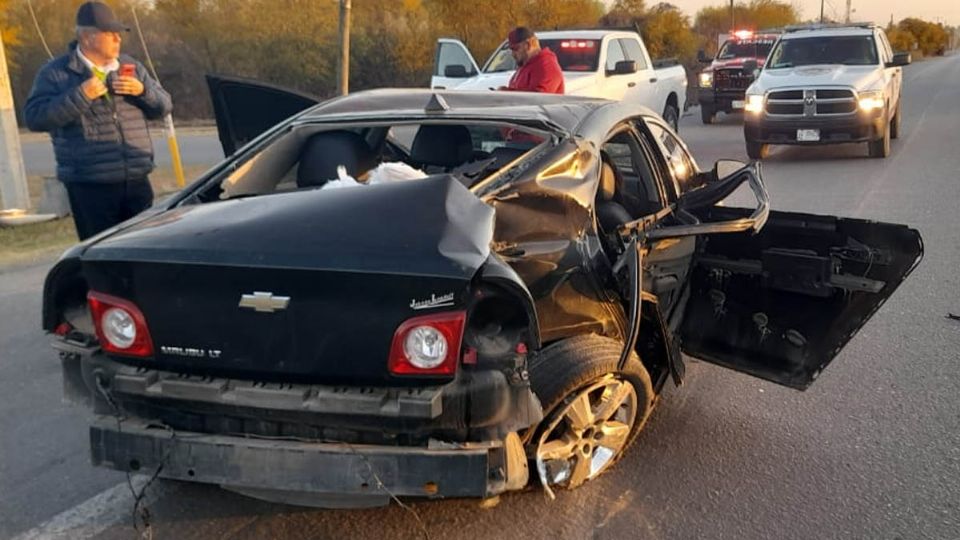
[587, 434]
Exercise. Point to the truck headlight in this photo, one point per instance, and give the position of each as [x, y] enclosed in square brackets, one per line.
[869, 101]
[754, 104]
[706, 79]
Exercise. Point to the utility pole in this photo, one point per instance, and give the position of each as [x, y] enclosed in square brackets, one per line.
[733, 18]
[13, 177]
[343, 70]
[821, 11]
[847, 20]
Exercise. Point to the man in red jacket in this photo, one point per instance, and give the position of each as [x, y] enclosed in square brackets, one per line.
[537, 69]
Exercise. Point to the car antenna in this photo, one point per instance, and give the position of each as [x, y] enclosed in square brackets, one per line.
[437, 104]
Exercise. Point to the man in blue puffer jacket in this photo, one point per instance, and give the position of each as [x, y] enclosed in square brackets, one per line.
[95, 102]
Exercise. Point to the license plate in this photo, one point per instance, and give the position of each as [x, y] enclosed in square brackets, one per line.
[737, 104]
[808, 135]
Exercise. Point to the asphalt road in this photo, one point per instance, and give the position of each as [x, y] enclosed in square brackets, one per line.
[872, 450]
[197, 147]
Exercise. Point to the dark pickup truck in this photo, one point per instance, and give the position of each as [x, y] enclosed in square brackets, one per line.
[520, 306]
[722, 84]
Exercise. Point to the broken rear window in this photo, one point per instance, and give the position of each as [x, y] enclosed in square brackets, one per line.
[321, 157]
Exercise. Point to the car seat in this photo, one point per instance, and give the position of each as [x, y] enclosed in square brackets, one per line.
[610, 213]
[441, 146]
[327, 150]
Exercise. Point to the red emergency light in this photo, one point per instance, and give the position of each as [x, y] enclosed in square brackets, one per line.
[576, 45]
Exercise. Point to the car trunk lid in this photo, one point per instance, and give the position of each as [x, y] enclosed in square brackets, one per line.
[350, 265]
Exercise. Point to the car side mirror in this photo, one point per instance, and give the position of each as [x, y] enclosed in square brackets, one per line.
[703, 58]
[725, 167]
[751, 66]
[624, 67]
[456, 71]
[900, 59]
[722, 170]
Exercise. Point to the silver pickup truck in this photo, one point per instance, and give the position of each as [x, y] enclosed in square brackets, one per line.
[826, 85]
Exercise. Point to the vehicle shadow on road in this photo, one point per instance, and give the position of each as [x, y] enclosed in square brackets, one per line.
[732, 119]
[837, 152]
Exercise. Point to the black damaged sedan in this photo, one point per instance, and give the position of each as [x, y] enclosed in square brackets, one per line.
[508, 318]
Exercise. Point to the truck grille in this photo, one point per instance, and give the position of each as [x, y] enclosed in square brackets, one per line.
[732, 79]
[811, 102]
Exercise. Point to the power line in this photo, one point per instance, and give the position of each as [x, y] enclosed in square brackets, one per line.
[36, 24]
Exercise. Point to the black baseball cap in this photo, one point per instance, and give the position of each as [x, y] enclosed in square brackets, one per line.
[100, 16]
[519, 34]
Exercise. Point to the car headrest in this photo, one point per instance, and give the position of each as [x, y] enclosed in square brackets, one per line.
[505, 154]
[608, 182]
[444, 146]
[325, 151]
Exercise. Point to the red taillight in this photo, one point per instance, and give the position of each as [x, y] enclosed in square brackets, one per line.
[121, 327]
[418, 350]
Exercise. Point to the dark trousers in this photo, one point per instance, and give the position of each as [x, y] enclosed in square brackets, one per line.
[96, 207]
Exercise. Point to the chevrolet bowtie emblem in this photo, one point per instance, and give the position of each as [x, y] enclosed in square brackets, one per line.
[264, 302]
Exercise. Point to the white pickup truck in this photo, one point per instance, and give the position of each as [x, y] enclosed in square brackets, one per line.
[826, 84]
[610, 64]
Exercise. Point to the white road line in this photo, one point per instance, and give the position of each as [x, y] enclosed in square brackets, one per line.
[110, 507]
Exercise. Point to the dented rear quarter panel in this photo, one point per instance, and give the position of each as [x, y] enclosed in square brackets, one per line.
[545, 230]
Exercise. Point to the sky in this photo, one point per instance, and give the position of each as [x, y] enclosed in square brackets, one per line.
[877, 11]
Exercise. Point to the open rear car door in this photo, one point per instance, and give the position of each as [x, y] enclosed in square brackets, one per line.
[245, 108]
[780, 304]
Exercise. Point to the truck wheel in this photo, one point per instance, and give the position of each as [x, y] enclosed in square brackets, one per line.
[672, 117]
[895, 124]
[757, 150]
[707, 114]
[880, 148]
[593, 411]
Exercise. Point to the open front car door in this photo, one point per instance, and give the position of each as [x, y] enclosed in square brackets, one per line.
[777, 294]
[781, 304]
[452, 64]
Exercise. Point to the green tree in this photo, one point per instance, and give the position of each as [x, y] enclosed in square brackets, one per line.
[9, 33]
[900, 40]
[667, 33]
[624, 14]
[459, 19]
[930, 38]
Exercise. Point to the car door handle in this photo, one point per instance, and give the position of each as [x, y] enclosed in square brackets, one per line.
[631, 85]
[653, 79]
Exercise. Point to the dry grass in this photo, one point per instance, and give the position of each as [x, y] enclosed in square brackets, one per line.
[42, 241]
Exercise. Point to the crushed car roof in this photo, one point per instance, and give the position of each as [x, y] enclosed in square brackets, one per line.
[576, 115]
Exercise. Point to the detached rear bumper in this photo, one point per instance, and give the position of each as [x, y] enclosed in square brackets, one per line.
[468, 470]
